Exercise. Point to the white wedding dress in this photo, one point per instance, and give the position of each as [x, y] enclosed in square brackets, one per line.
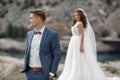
[81, 66]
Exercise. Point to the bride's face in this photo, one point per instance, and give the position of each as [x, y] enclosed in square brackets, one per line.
[77, 16]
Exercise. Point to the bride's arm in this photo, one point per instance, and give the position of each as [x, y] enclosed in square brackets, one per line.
[80, 26]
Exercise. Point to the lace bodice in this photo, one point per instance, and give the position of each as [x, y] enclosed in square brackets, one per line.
[75, 30]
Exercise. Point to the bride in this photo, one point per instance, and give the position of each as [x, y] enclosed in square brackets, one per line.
[81, 60]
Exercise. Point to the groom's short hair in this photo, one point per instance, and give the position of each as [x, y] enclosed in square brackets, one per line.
[40, 13]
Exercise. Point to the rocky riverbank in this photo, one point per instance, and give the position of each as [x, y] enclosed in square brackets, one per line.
[10, 68]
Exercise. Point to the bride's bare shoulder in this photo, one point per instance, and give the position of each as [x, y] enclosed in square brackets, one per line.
[80, 24]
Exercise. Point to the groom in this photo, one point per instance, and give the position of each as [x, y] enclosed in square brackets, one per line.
[42, 54]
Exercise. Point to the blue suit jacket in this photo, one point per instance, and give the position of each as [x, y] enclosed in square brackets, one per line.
[50, 52]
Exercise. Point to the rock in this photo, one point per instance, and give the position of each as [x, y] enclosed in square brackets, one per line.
[3, 25]
[7, 44]
[16, 13]
[64, 42]
[112, 23]
[10, 68]
[111, 69]
[104, 47]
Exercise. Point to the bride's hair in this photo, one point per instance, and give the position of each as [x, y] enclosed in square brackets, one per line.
[82, 16]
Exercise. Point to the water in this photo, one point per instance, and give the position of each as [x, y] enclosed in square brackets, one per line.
[12, 54]
[108, 57]
[102, 57]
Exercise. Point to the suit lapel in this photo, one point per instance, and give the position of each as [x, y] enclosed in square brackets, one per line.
[30, 38]
[44, 36]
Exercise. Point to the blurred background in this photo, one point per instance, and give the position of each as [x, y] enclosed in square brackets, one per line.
[14, 14]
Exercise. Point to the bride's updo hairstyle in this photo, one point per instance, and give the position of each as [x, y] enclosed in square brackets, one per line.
[82, 16]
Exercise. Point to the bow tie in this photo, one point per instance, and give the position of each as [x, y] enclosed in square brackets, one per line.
[37, 32]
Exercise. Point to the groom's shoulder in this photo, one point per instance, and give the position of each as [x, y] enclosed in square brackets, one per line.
[52, 31]
[29, 32]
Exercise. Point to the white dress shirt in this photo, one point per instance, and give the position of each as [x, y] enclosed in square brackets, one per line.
[34, 60]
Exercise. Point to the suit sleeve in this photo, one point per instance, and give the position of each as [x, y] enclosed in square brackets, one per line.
[56, 53]
[26, 42]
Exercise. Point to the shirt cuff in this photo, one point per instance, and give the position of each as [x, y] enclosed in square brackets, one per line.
[51, 74]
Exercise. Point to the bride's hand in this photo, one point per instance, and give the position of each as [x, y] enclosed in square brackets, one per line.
[81, 49]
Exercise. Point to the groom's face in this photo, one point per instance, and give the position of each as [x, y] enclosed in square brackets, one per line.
[34, 20]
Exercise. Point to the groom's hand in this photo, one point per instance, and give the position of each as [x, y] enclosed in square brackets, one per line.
[51, 75]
